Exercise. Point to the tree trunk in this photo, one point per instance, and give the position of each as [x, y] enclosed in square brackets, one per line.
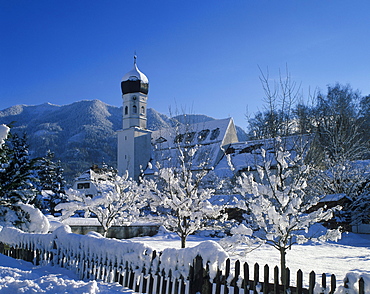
[183, 241]
[105, 232]
[283, 265]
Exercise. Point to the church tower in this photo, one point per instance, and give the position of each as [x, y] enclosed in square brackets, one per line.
[134, 147]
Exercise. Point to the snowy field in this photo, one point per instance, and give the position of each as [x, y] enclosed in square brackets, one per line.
[350, 254]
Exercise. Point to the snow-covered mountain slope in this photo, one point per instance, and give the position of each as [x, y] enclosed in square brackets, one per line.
[82, 133]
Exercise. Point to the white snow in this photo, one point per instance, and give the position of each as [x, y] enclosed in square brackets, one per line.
[38, 223]
[135, 74]
[4, 130]
[18, 276]
[350, 255]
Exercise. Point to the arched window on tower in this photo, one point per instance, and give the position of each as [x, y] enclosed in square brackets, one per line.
[134, 109]
[126, 110]
[142, 110]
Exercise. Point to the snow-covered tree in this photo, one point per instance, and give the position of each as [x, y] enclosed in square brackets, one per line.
[360, 207]
[51, 182]
[16, 175]
[4, 156]
[179, 199]
[119, 200]
[278, 210]
[346, 177]
[16, 190]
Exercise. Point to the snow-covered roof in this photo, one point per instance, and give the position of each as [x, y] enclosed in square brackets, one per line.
[88, 175]
[207, 139]
[333, 197]
[245, 156]
[135, 74]
[203, 133]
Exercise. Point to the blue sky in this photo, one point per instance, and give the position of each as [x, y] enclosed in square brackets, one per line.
[200, 56]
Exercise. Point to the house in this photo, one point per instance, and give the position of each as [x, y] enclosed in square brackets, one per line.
[86, 182]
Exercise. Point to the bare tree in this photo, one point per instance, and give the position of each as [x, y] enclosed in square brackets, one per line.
[277, 117]
[338, 125]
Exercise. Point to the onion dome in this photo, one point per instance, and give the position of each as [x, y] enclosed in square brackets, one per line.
[134, 81]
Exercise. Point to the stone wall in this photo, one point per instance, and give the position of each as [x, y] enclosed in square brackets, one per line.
[118, 232]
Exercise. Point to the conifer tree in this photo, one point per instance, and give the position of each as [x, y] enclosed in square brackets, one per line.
[16, 175]
[51, 182]
[17, 193]
[4, 158]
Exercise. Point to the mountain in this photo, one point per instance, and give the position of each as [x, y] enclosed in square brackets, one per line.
[82, 133]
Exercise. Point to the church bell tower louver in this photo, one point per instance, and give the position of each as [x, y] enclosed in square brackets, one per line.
[134, 140]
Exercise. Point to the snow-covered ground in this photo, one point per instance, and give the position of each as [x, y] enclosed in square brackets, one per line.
[18, 276]
[350, 254]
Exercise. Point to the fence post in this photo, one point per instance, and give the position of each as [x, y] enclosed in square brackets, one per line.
[151, 273]
[175, 286]
[333, 284]
[182, 286]
[164, 282]
[256, 277]
[266, 279]
[323, 283]
[127, 273]
[38, 253]
[227, 273]
[169, 282]
[196, 276]
[236, 277]
[287, 280]
[217, 280]
[276, 280]
[299, 282]
[246, 277]
[312, 282]
[207, 285]
[361, 286]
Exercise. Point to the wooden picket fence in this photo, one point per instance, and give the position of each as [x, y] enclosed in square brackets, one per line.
[158, 282]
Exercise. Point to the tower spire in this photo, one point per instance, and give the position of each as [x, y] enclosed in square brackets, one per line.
[135, 57]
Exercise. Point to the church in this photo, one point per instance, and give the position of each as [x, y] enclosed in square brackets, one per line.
[134, 140]
[214, 142]
[139, 148]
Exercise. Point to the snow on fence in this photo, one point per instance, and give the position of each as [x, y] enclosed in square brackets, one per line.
[202, 269]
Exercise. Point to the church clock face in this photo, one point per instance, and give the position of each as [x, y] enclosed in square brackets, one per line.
[134, 98]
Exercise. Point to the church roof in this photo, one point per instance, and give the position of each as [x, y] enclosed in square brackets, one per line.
[135, 74]
[206, 139]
